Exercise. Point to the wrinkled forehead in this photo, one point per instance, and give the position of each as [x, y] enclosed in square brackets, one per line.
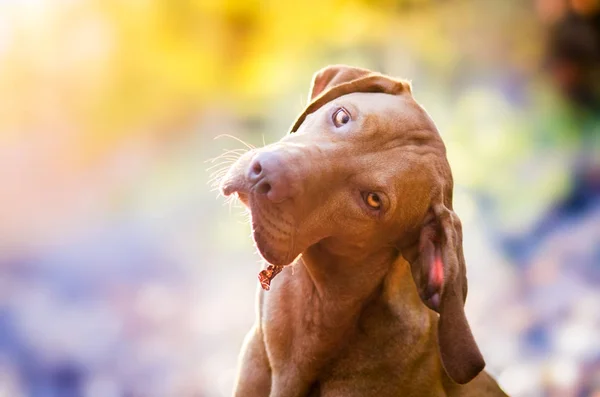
[389, 133]
[380, 111]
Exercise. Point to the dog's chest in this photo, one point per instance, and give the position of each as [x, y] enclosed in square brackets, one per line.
[370, 350]
[302, 333]
[299, 327]
[383, 357]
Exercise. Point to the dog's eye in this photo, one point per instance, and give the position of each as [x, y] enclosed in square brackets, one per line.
[341, 117]
[373, 200]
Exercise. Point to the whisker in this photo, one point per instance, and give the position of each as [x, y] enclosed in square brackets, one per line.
[249, 146]
[231, 158]
[216, 180]
[228, 162]
[224, 155]
[224, 166]
[248, 217]
[218, 176]
[227, 202]
[231, 154]
[216, 183]
[236, 151]
[219, 173]
[231, 200]
[215, 186]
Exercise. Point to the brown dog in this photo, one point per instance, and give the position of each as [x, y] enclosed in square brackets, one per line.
[358, 197]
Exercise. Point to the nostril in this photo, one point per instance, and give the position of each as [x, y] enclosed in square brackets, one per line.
[255, 172]
[256, 168]
[263, 188]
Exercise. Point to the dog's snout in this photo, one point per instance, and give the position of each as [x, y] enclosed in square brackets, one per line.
[268, 176]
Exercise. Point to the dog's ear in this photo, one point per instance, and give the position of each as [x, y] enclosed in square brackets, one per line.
[333, 75]
[438, 267]
[334, 81]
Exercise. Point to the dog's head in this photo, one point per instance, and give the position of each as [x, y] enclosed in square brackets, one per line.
[363, 170]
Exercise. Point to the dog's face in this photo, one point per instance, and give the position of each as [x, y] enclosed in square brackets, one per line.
[352, 176]
[364, 170]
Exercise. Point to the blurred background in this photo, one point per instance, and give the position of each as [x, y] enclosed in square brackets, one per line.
[123, 274]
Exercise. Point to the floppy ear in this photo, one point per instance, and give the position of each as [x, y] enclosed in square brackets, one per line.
[439, 272]
[333, 75]
[334, 81]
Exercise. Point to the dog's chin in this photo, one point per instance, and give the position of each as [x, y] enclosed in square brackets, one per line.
[274, 247]
[272, 232]
[274, 257]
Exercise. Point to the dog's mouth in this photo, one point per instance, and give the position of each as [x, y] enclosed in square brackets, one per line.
[272, 224]
[272, 232]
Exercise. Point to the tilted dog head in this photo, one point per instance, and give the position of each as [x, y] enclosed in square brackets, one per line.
[364, 170]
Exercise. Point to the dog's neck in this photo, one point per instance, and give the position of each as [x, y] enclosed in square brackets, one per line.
[327, 295]
[346, 278]
[335, 291]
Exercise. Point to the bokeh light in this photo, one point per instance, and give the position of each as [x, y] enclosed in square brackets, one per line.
[123, 274]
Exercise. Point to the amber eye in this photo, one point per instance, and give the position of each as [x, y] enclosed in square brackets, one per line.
[373, 201]
[341, 117]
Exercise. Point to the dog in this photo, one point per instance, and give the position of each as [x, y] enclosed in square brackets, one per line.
[354, 207]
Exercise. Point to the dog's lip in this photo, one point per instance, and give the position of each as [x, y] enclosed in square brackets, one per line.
[236, 181]
[274, 244]
[268, 255]
[228, 188]
[234, 184]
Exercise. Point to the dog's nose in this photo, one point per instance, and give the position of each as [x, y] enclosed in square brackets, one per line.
[267, 175]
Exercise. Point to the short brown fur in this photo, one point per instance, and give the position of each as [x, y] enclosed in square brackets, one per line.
[372, 302]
